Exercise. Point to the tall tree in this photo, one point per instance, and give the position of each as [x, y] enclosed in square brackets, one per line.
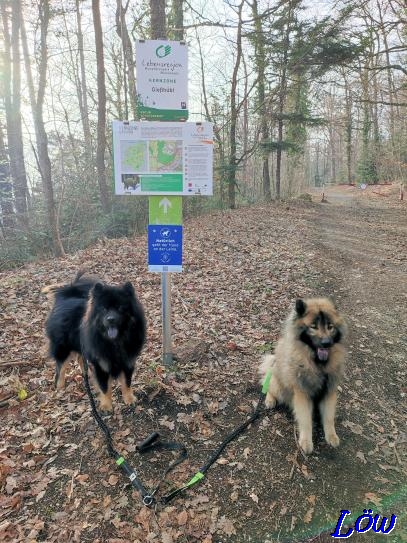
[37, 106]
[101, 123]
[367, 167]
[234, 114]
[6, 191]
[260, 61]
[12, 102]
[176, 21]
[128, 58]
[218, 133]
[285, 24]
[302, 50]
[157, 14]
[82, 86]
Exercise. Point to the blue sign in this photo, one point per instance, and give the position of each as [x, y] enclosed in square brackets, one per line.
[164, 248]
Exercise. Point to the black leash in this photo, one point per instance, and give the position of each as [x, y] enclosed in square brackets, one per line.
[153, 442]
[199, 475]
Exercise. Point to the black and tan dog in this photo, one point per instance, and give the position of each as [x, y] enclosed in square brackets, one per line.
[307, 366]
[101, 322]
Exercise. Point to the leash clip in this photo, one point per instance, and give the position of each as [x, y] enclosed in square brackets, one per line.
[148, 500]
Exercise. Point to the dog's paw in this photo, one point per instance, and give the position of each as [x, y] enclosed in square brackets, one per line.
[332, 439]
[129, 398]
[106, 404]
[306, 444]
[59, 386]
[60, 381]
[270, 401]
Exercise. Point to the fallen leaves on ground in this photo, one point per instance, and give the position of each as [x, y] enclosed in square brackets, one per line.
[243, 270]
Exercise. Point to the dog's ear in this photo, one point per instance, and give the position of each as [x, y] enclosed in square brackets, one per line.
[97, 289]
[128, 289]
[300, 307]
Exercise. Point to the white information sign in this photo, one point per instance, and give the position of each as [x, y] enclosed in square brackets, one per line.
[154, 158]
[162, 80]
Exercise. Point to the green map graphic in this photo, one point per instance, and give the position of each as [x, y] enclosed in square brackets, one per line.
[165, 156]
[134, 156]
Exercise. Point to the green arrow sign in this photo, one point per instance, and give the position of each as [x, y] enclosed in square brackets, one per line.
[165, 209]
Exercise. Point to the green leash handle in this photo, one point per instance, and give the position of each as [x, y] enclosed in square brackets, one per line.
[195, 479]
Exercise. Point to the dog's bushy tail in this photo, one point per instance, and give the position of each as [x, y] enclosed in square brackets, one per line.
[78, 288]
[51, 290]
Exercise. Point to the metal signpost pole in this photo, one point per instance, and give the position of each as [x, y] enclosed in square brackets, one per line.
[166, 210]
[166, 317]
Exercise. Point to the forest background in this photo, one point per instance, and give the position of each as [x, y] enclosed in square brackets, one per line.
[300, 93]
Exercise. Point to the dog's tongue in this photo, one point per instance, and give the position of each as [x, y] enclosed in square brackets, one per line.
[323, 354]
[112, 333]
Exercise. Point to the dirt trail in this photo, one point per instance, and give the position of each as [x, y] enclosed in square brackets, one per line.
[358, 253]
[362, 252]
[243, 270]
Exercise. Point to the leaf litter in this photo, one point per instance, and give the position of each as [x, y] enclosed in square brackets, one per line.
[242, 272]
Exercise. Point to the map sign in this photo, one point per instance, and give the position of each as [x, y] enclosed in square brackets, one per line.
[163, 158]
[162, 80]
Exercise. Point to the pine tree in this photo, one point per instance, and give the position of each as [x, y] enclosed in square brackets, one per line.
[300, 51]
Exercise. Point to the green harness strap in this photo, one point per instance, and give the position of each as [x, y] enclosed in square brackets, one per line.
[266, 382]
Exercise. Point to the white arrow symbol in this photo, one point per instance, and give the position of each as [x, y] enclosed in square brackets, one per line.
[165, 204]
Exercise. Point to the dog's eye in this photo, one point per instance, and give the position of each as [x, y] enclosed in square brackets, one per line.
[313, 326]
[330, 326]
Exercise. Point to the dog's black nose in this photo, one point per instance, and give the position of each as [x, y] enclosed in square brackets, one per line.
[326, 342]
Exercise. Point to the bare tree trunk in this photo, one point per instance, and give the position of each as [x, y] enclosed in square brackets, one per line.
[121, 29]
[332, 131]
[12, 99]
[157, 13]
[348, 131]
[279, 153]
[392, 91]
[245, 127]
[72, 142]
[101, 125]
[375, 109]
[115, 79]
[217, 134]
[176, 20]
[8, 222]
[83, 87]
[260, 61]
[234, 110]
[37, 104]
[281, 106]
[333, 154]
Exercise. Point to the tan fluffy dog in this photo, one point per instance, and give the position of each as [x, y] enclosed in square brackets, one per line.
[307, 366]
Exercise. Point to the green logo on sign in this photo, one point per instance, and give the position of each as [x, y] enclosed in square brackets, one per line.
[163, 51]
